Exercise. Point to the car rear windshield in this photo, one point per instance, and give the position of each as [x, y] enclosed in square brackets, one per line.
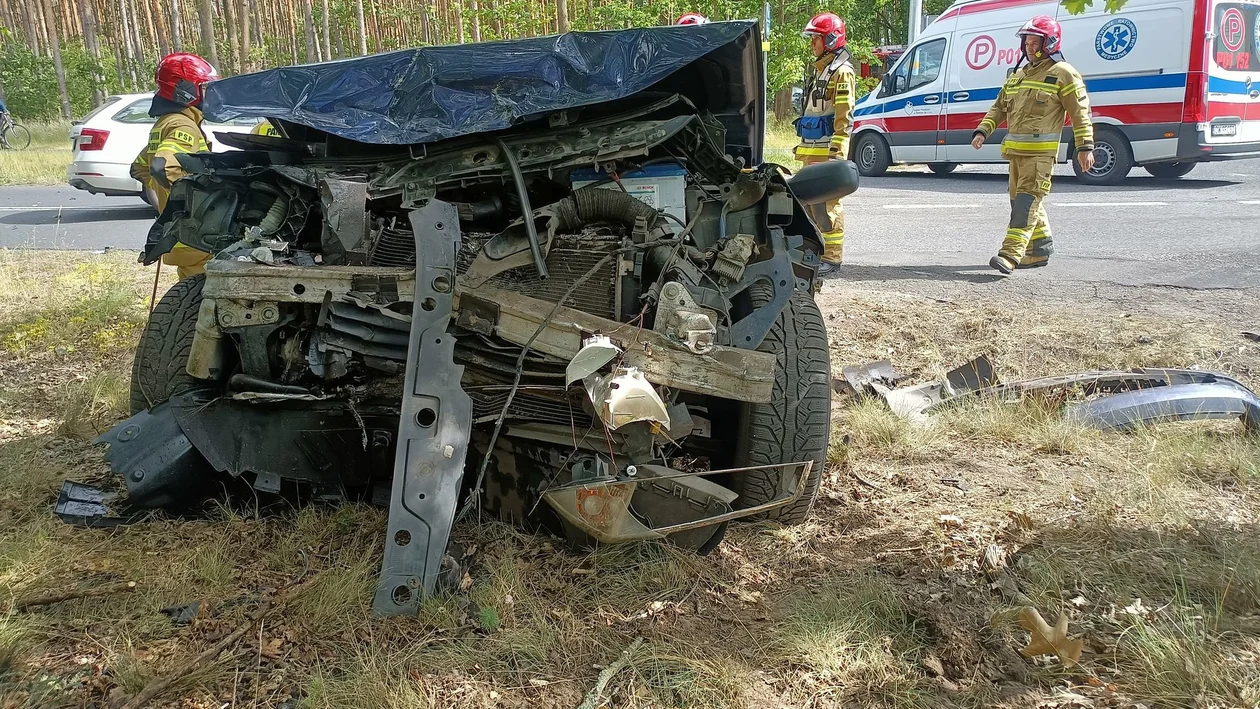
[136, 112]
[1237, 43]
[104, 105]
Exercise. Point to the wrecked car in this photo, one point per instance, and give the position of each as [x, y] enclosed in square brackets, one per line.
[548, 280]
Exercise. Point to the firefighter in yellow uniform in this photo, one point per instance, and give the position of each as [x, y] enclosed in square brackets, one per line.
[1033, 104]
[826, 120]
[264, 127]
[180, 82]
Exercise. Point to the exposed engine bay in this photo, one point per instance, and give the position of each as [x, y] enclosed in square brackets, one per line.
[575, 326]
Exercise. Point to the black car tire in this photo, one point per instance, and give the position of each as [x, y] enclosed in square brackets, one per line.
[1169, 170]
[159, 370]
[1113, 159]
[942, 168]
[796, 424]
[871, 155]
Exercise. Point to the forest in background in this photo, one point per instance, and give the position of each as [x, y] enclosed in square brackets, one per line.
[60, 58]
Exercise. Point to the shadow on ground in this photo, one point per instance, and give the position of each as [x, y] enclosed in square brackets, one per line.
[958, 182]
[52, 216]
[979, 273]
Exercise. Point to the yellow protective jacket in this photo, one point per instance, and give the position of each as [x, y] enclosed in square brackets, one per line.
[827, 102]
[156, 167]
[1033, 104]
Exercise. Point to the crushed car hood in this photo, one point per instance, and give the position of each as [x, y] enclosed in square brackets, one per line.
[433, 93]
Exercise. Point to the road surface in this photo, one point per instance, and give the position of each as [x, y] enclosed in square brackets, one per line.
[1197, 232]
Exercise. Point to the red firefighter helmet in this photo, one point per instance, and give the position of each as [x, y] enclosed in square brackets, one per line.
[830, 27]
[1048, 29]
[182, 77]
[692, 18]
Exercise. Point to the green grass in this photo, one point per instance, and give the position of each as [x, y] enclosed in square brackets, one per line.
[44, 162]
[840, 611]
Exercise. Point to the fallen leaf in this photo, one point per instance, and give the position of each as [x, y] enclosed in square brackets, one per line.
[1047, 640]
[1079, 602]
[271, 648]
[583, 572]
[1136, 608]
[951, 521]
[539, 682]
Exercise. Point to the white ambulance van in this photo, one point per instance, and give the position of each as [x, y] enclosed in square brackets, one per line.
[1170, 84]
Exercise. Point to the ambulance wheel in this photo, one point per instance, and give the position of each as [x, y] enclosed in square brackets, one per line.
[871, 155]
[942, 168]
[1170, 170]
[1113, 159]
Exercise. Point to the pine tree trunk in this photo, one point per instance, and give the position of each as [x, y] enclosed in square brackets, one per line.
[562, 16]
[426, 32]
[476, 20]
[177, 36]
[327, 34]
[376, 27]
[51, 18]
[41, 29]
[312, 54]
[209, 50]
[163, 32]
[93, 47]
[290, 30]
[128, 49]
[358, 8]
[233, 47]
[459, 19]
[32, 34]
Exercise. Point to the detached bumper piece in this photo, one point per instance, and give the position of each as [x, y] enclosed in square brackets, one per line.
[655, 502]
[1184, 402]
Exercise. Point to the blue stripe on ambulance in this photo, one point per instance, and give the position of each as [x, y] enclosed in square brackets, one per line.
[1118, 83]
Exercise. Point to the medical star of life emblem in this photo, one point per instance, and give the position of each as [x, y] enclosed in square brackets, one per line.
[1115, 39]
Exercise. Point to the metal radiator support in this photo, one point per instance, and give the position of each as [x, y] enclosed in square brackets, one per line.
[434, 425]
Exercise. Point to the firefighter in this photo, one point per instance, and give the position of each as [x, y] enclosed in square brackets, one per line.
[692, 18]
[181, 80]
[826, 120]
[1033, 102]
[265, 127]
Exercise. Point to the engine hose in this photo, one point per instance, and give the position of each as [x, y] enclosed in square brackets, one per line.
[591, 204]
[278, 211]
[535, 246]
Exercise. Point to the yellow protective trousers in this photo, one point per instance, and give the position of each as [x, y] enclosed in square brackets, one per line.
[1028, 242]
[830, 221]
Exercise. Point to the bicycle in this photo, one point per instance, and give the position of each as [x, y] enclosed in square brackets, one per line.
[13, 135]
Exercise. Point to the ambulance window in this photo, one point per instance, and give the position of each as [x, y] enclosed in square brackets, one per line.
[1237, 39]
[919, 68]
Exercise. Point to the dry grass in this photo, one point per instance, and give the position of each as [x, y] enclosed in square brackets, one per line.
[44, 162]
[878, 600]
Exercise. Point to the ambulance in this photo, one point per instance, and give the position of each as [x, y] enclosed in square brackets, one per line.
[1170, 85]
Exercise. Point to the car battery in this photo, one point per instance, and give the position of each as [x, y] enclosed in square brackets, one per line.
[662, 186]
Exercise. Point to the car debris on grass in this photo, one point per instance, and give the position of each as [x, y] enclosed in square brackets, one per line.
[1109, 400]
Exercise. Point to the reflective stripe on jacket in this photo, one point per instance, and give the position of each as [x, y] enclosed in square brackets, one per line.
[1033, 104]
[156, 166]
[827, 118]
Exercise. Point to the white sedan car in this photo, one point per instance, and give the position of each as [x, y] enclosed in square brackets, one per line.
[107, 140]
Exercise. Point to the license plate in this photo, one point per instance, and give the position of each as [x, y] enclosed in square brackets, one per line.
[1225, 129]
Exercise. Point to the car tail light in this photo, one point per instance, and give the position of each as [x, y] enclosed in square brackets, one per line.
[93, 139]
[1194, 110]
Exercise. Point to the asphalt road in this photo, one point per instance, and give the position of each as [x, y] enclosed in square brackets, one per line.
[1197, 232]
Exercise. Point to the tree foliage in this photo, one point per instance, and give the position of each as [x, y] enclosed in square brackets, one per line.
[249, 35]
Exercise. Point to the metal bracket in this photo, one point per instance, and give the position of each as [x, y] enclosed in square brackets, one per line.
[434, 426]
[748, 332]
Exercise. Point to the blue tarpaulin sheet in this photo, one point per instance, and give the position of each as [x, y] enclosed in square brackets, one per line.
[433, 93]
